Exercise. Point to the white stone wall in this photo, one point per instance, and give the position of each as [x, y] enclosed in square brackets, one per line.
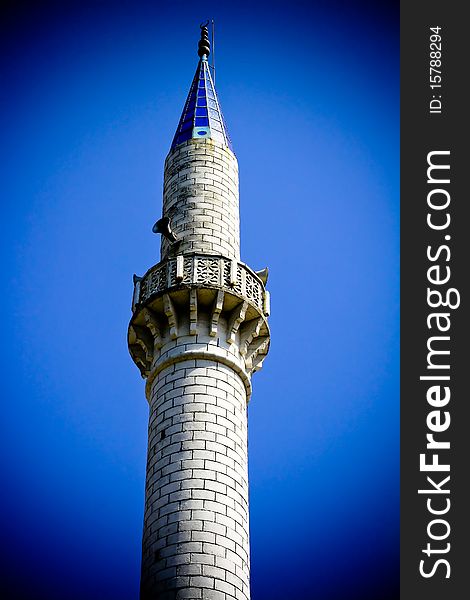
[196, 538]
[196, 527]
[200, 196]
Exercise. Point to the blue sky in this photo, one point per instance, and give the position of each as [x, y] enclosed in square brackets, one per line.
[91, 97]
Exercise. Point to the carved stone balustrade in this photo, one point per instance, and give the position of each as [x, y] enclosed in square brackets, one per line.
[199, 306]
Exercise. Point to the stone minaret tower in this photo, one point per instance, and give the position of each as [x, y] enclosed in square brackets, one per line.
[198, 332]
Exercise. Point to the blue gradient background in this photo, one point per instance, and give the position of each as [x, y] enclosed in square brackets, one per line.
[91, 96]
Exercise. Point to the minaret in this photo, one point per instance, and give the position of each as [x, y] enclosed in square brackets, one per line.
[197, 333]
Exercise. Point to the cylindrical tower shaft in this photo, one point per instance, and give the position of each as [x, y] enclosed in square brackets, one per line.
[198, 332]
[200, 196]
[196, 512]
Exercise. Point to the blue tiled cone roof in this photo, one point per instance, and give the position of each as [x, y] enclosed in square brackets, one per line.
[202, 117]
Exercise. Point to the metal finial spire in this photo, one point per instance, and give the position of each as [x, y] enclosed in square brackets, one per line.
[204, 46]
[202, 116]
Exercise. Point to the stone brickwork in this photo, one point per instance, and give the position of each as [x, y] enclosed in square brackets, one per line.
[200, 196]
[196, 541]
[198, 332]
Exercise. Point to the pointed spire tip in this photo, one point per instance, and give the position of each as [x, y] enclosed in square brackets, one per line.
[204, 46]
